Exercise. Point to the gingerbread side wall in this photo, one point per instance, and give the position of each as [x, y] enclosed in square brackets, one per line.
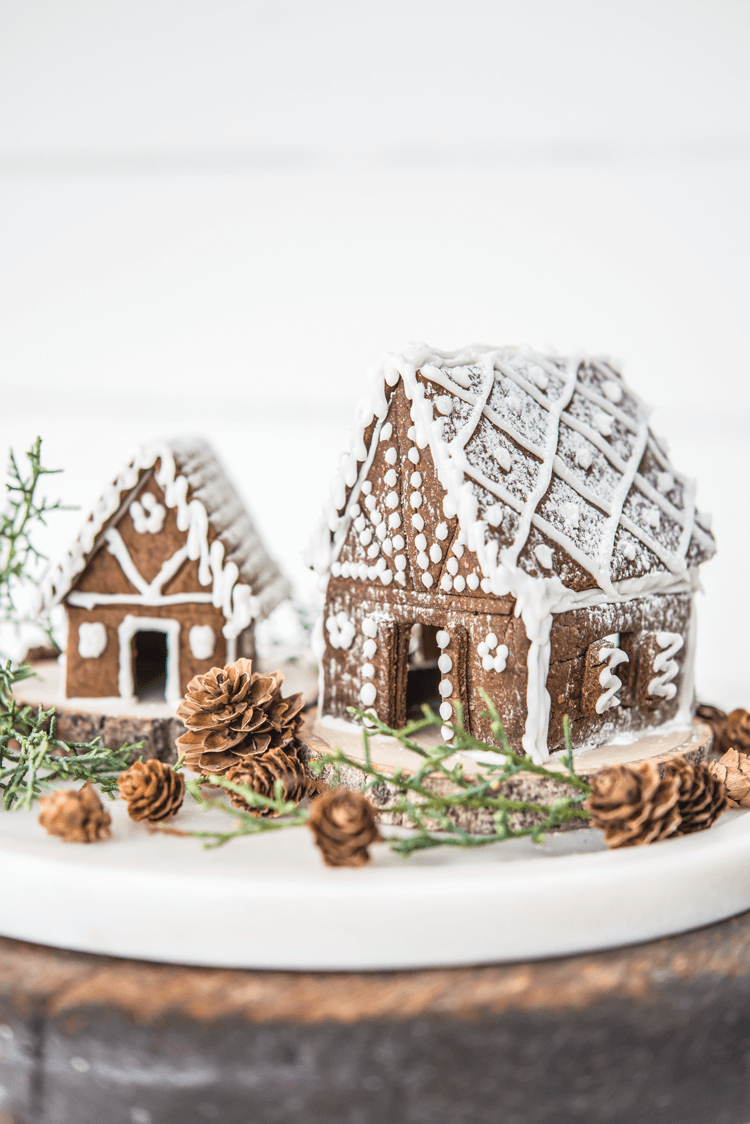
[574, 680]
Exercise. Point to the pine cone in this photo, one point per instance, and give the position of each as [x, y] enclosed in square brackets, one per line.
[344, 826]
[261, 774]
[717, 720]
[633, 805]
[737, 731]
[77, 816]
[733, 770]
[235, 713]
[702, 796]
[152, 790]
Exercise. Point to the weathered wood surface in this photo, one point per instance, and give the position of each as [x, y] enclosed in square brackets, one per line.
[317, 742]
[656, 1033]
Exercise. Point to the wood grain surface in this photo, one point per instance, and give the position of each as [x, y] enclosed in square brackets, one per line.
[654, 1033]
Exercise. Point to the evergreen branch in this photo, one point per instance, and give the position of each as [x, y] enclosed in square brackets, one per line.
[23, 512]
[33, 759]
[248, 823]
[428, 810]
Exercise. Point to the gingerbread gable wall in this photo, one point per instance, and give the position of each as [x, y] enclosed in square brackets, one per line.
[142, 544]
[399, 534]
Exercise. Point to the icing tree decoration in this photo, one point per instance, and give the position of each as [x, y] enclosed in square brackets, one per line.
[202, 640]
[92, 639]
[665, 666]
[341, 630]
[148, 514]
[494, 655]
[610, 682]
[244, 582]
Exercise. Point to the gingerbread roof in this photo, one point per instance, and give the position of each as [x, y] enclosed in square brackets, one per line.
[548, 463]
[246, 582]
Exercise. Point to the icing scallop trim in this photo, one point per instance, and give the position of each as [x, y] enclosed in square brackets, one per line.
[233, 597]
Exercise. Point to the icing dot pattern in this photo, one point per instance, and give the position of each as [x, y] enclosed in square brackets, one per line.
[494, 655]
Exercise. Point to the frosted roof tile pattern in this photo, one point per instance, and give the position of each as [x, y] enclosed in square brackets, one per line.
[564, 447]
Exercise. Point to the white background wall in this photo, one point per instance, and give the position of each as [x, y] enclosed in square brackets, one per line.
[215, 216]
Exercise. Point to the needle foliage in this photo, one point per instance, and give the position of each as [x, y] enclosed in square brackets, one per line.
[32, 757]
[24, 512]
[429, 812]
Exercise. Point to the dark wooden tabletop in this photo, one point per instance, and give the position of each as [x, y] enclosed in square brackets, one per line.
[658, 1033]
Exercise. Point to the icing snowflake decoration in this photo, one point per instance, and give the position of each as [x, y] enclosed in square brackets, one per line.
[341, 631]
[549, 464]
[147, 514]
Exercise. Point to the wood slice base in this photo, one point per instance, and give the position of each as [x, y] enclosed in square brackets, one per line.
[121, 722]
[693, 744]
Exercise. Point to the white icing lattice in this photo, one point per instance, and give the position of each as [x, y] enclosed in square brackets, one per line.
[580, 415]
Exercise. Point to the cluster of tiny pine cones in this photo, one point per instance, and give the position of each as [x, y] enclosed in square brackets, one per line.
[343, 824]
[234, 713]
[731, 731]
[239, 725]
[75, 815]
[733, 770]
[635, 804]
[261, 774]
[152, 791]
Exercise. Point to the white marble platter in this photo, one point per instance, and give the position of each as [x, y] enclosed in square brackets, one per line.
[269, 902]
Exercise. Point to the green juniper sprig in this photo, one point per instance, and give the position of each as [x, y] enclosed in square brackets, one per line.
[32, 758]
[247, 823]
[424, 807]
[428, 811]
[23, 513]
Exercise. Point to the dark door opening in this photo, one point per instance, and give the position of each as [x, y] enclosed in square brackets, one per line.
[423, 675]
[149, 654]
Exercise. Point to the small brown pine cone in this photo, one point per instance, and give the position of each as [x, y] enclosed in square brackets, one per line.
[151, 790]
[261, 773]
[717, 720]
[77, 816]
[737, 731]
[344, 826]
[633, 805]
[232, 713]
[702, 796]
[733, 770]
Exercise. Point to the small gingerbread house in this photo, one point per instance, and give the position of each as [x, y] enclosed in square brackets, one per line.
[166, 579]
[506, 522]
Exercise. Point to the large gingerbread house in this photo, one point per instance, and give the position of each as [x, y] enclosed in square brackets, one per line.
[507, 523]
[166, 579]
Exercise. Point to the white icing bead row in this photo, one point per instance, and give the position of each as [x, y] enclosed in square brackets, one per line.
[445, 664]
[368, 691]
[363, 572]
[486, 647]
